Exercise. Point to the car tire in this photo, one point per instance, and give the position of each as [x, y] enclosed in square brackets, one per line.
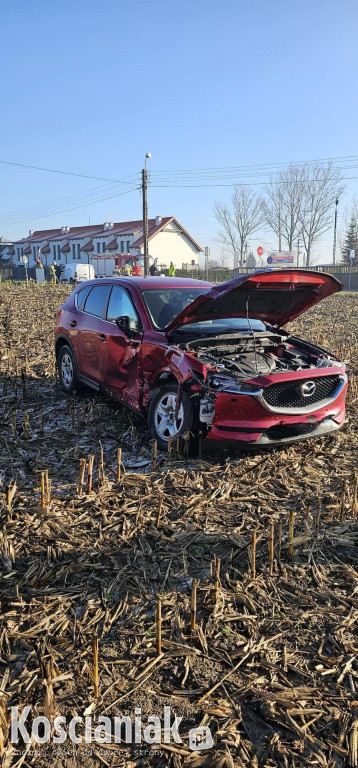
[67, 370]
[161, 416]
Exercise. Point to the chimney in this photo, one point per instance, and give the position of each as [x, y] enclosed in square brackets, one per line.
[65, 230]
[31, 232]
[108, 225]
[158, 220]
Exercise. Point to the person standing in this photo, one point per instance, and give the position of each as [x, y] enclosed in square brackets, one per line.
[152, 269]
[171, 270]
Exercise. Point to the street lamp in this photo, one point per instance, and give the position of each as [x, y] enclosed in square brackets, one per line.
[335, 231]
[145, 212]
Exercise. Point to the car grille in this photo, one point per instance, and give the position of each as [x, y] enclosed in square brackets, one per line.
[287, 394]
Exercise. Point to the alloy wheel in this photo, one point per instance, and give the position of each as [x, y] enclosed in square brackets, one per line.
[66, 370]
[164, 416]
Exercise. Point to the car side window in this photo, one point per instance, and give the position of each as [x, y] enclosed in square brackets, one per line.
[120, 304]
[81, 297]
[96, 301]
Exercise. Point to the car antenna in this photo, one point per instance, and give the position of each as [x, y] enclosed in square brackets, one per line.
[251, 329]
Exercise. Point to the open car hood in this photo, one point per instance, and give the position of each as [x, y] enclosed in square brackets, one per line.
[274, 296]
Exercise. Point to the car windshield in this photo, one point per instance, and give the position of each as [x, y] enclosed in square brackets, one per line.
[165, 304]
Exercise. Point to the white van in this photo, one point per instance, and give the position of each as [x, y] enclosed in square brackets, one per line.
[77, 273]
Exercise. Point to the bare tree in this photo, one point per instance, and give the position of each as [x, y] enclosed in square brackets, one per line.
[240, 221]
[282, 205]
[321, 185]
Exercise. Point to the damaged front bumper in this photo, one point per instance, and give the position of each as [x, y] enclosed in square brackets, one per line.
[242, 417]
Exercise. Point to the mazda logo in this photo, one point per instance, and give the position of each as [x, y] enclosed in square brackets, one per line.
[308, 388]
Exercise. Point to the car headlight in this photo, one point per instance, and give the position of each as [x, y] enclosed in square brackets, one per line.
[227, 384]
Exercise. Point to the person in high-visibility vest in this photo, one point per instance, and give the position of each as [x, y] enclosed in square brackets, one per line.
[52, 274]
[171, 269]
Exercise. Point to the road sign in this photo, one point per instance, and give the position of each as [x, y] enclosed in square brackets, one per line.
[260, 250]
[280, 257]
[352, 253]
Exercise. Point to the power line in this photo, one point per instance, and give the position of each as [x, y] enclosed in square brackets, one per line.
[66, 210]
[244, 184]
[68, 173]
[46, 207]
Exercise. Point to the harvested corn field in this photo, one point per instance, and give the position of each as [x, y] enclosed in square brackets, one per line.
[225, 587]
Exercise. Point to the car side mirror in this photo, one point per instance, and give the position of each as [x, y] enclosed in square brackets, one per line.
[128, 325]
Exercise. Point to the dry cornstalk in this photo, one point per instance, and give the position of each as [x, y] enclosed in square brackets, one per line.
[170, 445]
[26, 425]
[217, 581]
[355, 497]
[81, 477]
[101, 465]
[10, 493]
[307, 521]
[47, 487]
[119, 464]
[271, 547]
[290, 533]
[253, 554]
[158, 626]
[279, 541]
[90, 461]
[353, 746]
[13, 423]
[95, 667]
[43, 490]
[317, 519]
[155, 450]
[194, 585]
[159, 509]
[343, 500]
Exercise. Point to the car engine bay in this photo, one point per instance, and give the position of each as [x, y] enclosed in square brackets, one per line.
[255, 354]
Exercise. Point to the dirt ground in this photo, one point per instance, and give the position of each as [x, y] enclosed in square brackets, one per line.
[225, 587]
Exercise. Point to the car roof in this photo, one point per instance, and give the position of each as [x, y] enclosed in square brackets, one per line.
[152, 283]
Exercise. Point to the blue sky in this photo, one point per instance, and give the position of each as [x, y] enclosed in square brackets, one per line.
[91, 86]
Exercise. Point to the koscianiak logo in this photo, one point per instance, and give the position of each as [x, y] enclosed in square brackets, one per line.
[118, 730]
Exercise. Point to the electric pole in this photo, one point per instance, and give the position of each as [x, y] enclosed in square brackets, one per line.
[335, 232]
[145, 214]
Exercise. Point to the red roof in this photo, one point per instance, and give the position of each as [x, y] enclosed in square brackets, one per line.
[113, 245]
[122, 228]
[88, 247]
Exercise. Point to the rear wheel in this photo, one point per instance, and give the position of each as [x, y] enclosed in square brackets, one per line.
[67, 369]
[161, 416]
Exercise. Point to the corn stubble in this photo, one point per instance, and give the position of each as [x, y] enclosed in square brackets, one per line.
[226, 586]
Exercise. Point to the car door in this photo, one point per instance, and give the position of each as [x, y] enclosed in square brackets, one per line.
[122, 369]
[92, 333]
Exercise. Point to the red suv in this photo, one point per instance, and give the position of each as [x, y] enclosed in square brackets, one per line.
[198, 357]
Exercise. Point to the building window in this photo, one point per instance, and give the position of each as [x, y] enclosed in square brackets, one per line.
[103, 247]
[59, 252]
[54, 252]
[73, 250]
[79, 250]
[98, 247]
[128, 245]
[122, 246]
[18, 253]
[34, 252]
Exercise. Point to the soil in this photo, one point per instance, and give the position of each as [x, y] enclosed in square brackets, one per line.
[266, 657]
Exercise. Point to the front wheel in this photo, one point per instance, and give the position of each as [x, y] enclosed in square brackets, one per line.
[67, 369]
[161, 417]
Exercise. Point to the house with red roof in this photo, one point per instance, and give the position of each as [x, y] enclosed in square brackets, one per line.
[167, 241]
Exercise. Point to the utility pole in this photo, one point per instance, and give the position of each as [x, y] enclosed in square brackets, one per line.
[335, 232]
[145, 214]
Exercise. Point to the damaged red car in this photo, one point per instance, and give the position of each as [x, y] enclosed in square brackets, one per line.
[197, 357]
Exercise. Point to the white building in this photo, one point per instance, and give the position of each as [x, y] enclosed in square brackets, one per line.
[167, 241]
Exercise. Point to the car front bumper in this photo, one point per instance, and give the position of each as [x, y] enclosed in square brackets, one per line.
[243, 419]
